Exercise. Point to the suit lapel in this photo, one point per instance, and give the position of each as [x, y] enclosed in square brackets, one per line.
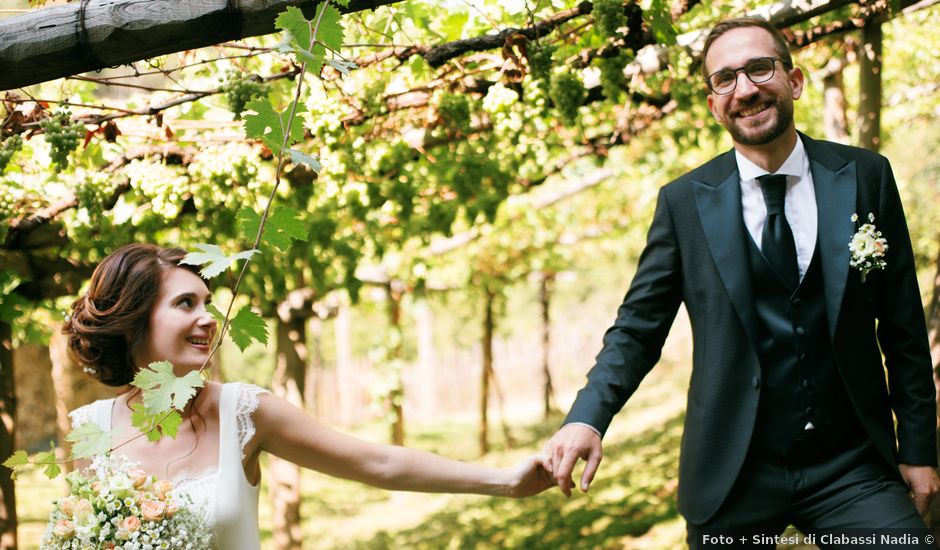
[719, 208]
[835, 182]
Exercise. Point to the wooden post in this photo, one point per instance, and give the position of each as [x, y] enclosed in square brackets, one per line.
[7, 431]
[288, 383]
[835, 126]
[869, 105]
[547, 284]
[67, 39]
[485, 374]
[394, 291]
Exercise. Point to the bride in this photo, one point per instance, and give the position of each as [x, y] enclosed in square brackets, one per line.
[144, 306]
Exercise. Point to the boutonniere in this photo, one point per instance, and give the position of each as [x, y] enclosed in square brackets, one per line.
[868, 247]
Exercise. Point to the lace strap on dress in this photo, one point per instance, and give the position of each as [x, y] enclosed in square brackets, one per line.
[83, 415]
[246, 403]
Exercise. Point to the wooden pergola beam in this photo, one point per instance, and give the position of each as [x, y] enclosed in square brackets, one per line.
[89, 35]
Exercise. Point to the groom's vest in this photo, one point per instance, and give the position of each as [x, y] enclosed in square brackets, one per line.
[800, 384]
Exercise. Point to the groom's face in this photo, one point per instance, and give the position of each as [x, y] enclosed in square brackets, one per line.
[754, 114]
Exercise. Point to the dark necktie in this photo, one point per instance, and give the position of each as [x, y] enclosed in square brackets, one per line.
[777, 239]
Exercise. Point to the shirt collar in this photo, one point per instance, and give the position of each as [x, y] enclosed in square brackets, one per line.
[793, 166]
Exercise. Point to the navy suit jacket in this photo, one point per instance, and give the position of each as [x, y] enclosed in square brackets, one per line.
[695, 254]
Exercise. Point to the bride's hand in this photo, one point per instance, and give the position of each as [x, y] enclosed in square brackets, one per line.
[530, 477]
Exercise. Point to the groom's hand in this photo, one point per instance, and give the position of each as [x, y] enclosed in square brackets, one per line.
[572, 442]
[924, 484]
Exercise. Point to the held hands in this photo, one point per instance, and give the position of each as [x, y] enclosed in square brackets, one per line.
[530, 477]
[572, 442]
[924, 484]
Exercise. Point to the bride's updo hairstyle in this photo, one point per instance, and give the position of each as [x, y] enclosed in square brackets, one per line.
[111, 320]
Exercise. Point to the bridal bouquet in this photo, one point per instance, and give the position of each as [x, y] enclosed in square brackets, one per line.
[114, 505]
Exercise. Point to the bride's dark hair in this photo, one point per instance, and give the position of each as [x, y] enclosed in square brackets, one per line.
[112, 318]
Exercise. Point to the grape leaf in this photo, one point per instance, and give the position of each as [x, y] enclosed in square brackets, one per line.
[89, 440]
[330, 31]
[164, 390]
[16, 462]
[343, 66]
[270, 126]
[282, 226]
[297, 157]
[344, 3]
[155, 425]
[248, 221]
[247, 327]
[216, 259]
[48, 459]
[216, 314]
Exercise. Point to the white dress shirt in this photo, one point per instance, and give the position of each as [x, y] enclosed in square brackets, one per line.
[799, 206]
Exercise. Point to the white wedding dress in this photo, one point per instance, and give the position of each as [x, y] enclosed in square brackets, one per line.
[223, 494]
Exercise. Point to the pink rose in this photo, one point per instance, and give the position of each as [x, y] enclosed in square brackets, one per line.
[162, 488]
[64, 529]
[138, 477]
[67, 505]
[83, 510]
[171, 509]
[153, 510]
[130, 523]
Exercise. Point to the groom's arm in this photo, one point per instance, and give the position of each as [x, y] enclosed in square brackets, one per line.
[633, 344]
[902, 335]
[630, 349]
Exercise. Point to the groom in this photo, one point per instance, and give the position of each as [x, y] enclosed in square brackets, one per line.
[789, 414]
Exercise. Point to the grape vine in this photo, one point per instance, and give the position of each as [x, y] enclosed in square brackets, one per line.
[8, 148]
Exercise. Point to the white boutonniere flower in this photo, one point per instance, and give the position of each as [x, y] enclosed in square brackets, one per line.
[868, 247]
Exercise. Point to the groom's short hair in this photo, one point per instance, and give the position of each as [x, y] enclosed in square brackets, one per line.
[781, 46]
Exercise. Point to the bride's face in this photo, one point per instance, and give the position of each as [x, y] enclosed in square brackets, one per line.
[181, 329]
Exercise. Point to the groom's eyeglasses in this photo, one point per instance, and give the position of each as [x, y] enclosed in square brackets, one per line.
[757, 70]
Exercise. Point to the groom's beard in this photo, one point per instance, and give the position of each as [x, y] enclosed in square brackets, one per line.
[781, 111]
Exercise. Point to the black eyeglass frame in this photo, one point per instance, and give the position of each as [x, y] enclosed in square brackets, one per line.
[743, 68]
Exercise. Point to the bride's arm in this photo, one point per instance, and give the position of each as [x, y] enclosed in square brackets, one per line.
[287, 432]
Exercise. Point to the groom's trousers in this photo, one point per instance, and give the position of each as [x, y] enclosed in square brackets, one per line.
[816, 491]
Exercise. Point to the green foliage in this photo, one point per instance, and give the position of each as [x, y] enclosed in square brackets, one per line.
[271, 126]
[659, 20]
[281, 228]
[89, 440]
[240, 90]
[163, 390]
[17, 462]
[609, 16]
[48, 459]
[311, 39]
[454, 110]
[247, 327]
[214, 260]
[62, 136]
[8, 148]
[155, 425]
[612, 80]
[568, 94]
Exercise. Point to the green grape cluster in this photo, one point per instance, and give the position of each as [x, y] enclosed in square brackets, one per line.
[8, 148]
[454, 111]
[612, 80]
[567, 92]
[240, 90]
[92, 193]
[540, 60]
[609, 16]
[62, 137]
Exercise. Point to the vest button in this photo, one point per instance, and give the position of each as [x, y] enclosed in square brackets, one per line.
[801, 331]
[797, 303]
[804, 357]
[755, 382]
[807, 383]
[810, 411]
